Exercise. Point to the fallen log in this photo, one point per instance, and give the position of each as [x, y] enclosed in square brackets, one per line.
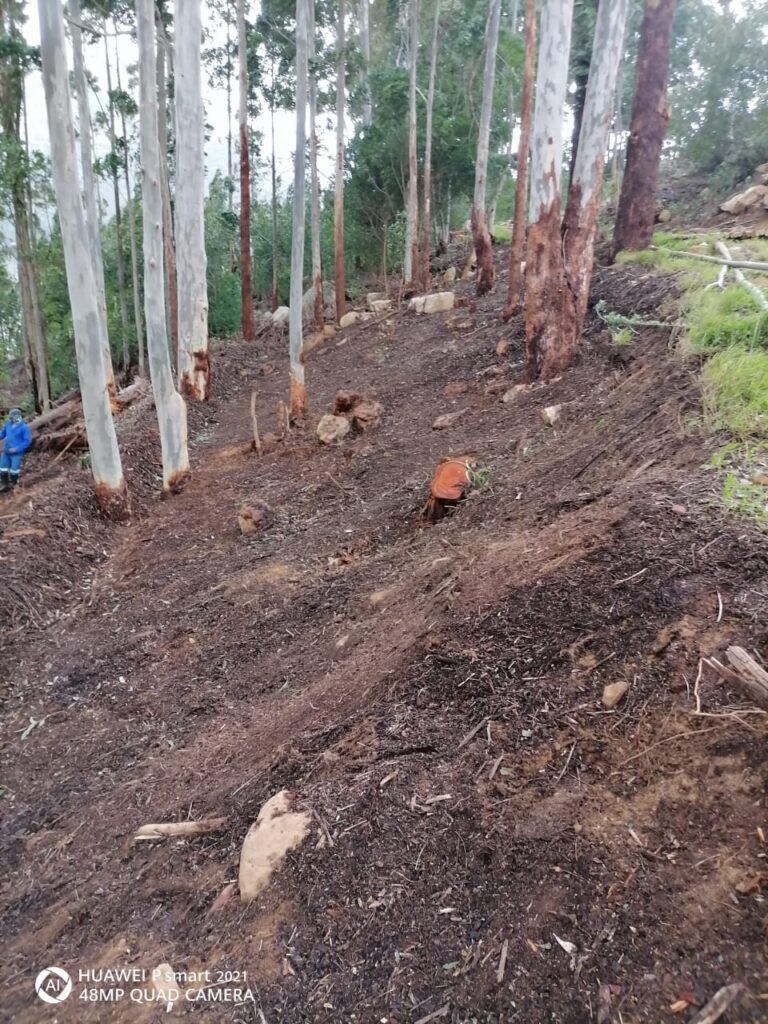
[55, 417]
[58, 440]
[727, 260]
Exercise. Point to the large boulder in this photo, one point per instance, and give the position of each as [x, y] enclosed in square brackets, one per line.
[332, 429]
[280, 316]
[349, 319]
[435, 302]
[329, 302]
[748, 199]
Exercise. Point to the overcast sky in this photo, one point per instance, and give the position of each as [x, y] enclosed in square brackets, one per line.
[215, 109]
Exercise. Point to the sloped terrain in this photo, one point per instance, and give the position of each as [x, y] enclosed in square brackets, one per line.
[432, 693]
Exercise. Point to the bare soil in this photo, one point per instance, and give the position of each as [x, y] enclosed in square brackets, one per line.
[474, 800]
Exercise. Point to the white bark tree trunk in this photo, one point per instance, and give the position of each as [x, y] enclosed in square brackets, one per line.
[410, 257]
[317, 269]
[171, 409]
[192, 289]
[544, 269]
[584, 196]
[365, 50]
[89, 183]
[338, 199]
[111, 492]
[481, 237]
[427, 218]
[295, 328]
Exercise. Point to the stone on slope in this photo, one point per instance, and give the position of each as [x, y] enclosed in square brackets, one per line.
[349, 319]
[281, 315]
[332, 429]
[435, 302]
[448, 419]
[276, 831]
[614, 693]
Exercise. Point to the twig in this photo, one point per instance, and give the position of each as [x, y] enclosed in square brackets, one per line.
[347, 493]
[720, 282]
[472, 732]
[565, 766]
[667, 739]
[442, 1012]
[502, 962]
[256, 438]
[753, 290]
[717, 1005]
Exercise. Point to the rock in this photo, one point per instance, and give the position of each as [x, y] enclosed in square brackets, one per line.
[349, 319]
[492, 371]
[496, 387]
[551, 414]
[332, 429]
[761, 173]
[255, 517]
[165, 985]
[329, 302]
[613, 693]
[664, 216]
[277, 830]
[745, 200]
[267, 370]
[450, 275]
[435, 302]
[679, 510]
[514, 392]
[380, 306]
[502, 347]
[448, 419]
[281, 314]
[366, 414]
[455, 388]
[760, 478]
[375, 297]
[329, 330]
[345, 401]
[379, 598]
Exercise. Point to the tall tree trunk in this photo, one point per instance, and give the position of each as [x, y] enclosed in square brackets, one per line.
[427, 225]
[648, 126]
[581, 212]
[296, 337]
[130, 213]
[544, 269]
[523, 154]
[338, 199]
[90, 343]
[507, 169]
[88, 180]
[169, 244]
[365, 51]
[411, 255]
[230, 189]
[317, 268]
[118, 211]
[171, 408]
[273, 162]
[193, 358]
[480, 235]
[246, 289]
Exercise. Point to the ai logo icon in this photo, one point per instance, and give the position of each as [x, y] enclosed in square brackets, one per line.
[53, 985]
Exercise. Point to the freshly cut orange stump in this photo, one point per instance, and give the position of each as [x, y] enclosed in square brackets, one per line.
[449, 485]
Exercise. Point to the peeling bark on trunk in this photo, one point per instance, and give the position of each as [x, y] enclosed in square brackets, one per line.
[246, 289]
[523, 154]
[131, 215]
[317, 269]
[169, 245]
[86, 165]
[580, 223]
[544, 270]
[411, 256]
[427, 225]
[295, 329]
[122, 300]
[480, 235]
[110, 488]
[648, 126]
[338, 202]
[171, 409]
[192, 285]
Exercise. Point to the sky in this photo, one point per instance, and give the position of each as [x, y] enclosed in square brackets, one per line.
[215, 109]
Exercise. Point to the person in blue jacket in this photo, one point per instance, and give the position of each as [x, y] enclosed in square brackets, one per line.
[16, 437]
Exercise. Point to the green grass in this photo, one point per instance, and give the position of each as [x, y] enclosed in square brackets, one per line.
[735, 392]
[502, 233]
[742, 494]
[717, 320]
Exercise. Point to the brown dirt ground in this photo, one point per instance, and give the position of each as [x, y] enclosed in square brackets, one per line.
[180, 670]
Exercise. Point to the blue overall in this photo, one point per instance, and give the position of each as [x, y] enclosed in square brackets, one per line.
[16, 438]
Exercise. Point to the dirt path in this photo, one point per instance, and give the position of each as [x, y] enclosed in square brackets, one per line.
[192, 672]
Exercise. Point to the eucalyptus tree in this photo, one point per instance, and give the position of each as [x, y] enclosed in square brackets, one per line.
[480, 234]
[298, 403]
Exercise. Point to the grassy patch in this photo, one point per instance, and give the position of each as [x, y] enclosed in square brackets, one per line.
[721, 319]
[735, 391]
[744, 466]
[502, 233]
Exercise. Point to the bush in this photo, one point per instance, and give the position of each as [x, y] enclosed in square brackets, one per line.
[735, 390]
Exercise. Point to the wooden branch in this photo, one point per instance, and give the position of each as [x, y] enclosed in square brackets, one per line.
[180, 828]
[753, 290]
[753, 676]
[727, 260]
[255, 422]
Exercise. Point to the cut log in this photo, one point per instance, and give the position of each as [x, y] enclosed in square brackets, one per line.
[65, 413]
[59, 440]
